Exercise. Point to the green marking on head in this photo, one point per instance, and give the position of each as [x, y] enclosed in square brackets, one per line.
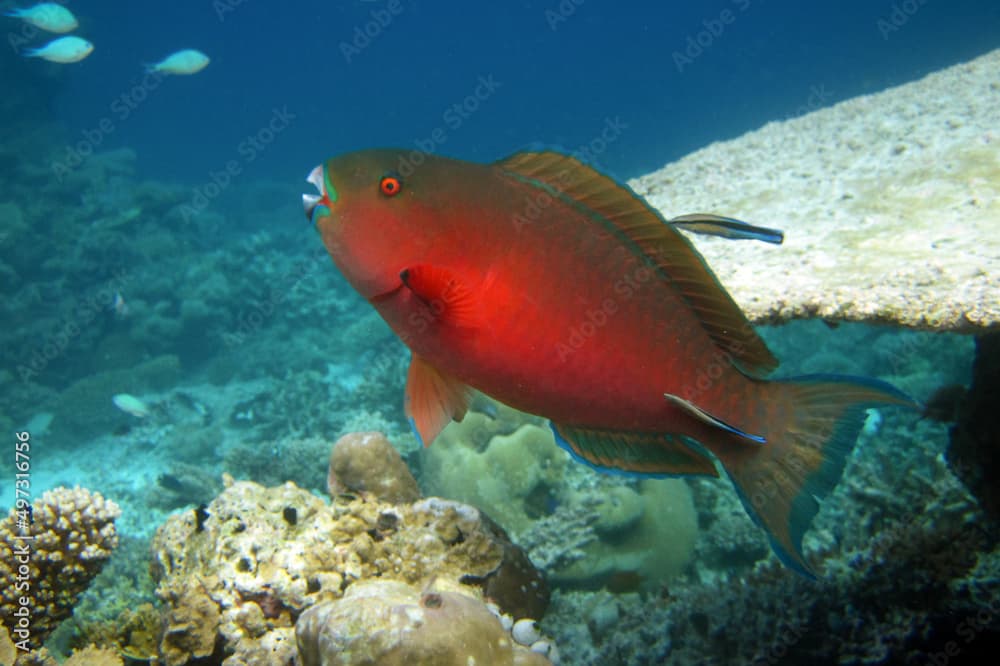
[330, 190]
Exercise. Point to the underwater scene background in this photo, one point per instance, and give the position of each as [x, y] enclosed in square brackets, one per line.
[180, 355]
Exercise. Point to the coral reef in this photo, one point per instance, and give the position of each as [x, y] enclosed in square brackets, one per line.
[116, 611]
[365, 462]
[647, 532]
[73, 535]
[234, 576]
[505, 473]
[868, 192]
[974, 450]
[85, 407]
[393, 624]
[607, 527]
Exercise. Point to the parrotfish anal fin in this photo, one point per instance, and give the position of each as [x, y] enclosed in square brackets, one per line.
[448, 297]
[637, 452]
[726, 227]
[663, 248]
[700, 414]
[433, 399]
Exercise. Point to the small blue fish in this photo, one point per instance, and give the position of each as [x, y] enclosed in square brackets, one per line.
[188, 61]
[63, 50]
[47, 16]
[726, 227]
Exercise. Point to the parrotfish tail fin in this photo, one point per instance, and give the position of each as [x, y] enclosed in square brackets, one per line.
[726, 227]
[811, 425]
[16, 13]
[31, 53]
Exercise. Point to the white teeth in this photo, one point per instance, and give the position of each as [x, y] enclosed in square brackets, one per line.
[316, 178]
[309, 202]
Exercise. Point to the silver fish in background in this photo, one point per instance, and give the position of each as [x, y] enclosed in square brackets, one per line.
[187, 61]
[47, 16]
[62, 50]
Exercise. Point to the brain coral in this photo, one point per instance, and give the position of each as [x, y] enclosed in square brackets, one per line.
[73, 534]
[366, 462]
[235, 582]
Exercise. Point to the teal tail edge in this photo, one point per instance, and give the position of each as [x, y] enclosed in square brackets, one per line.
[818, 419]
[809, 426]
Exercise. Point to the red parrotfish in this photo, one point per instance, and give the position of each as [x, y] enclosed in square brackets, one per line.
[554, 289]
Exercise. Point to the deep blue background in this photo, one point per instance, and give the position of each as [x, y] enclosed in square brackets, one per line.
[558, 87]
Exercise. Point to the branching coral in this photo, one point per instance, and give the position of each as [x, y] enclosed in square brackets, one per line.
[73, 535]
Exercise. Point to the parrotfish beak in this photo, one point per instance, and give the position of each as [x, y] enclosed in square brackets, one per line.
[316, 203]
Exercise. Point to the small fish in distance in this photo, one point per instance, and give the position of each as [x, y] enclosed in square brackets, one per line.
[187, 61]
[63, 50]
[47, 16]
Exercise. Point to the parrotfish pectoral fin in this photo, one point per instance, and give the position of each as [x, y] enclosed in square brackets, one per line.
[665, 454]
[700, 414]
[448, 297]
[660, 245]
[815, 421]
[726, 227]
[433, 399]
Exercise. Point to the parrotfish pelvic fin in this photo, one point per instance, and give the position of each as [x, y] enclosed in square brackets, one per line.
[660, 246]
[448, 297]
[726, 227]
[433, 399]
[700, 414]
[649, 453]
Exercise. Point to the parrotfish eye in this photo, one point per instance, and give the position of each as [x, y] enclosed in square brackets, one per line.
[391, 184]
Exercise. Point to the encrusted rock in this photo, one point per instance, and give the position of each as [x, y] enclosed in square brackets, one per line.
[237, 584]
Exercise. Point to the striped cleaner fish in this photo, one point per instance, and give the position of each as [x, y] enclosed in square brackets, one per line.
[556, 290]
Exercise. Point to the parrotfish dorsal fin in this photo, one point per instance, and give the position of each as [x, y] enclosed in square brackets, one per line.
[663, 247]
[433, 399]
[635, 452]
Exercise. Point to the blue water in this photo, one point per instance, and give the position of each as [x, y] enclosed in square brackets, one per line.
[561, 74]
[252, 354]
